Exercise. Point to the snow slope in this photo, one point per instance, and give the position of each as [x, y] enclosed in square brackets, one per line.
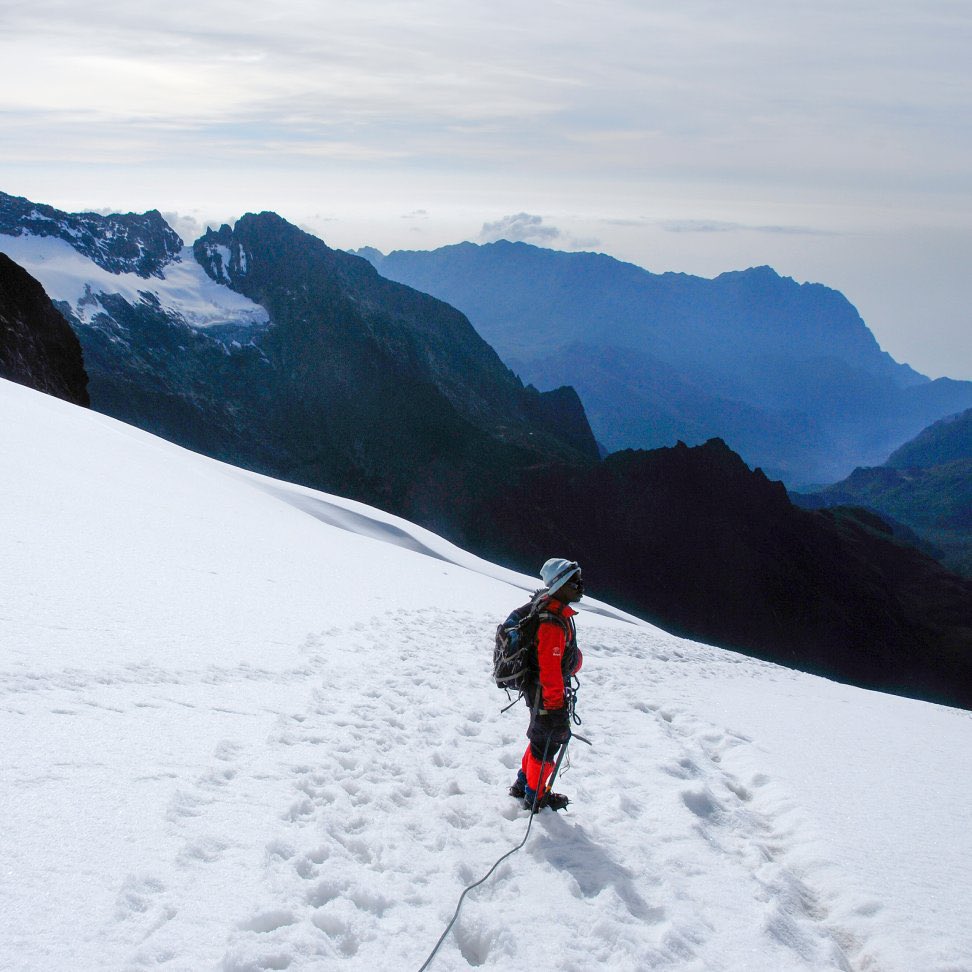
[249, 726]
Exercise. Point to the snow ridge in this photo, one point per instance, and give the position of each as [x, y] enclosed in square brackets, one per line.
[224, 264]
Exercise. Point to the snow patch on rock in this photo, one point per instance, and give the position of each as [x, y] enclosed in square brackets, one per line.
[185, 289]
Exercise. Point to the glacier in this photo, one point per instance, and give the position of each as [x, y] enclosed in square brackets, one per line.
[184, 289]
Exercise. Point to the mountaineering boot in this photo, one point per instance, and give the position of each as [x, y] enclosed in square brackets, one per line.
[555, 801]
[518, 789]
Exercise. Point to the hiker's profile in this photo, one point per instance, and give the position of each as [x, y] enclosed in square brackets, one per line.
[537, 654]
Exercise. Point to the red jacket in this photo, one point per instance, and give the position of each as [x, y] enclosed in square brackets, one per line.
[554, 656]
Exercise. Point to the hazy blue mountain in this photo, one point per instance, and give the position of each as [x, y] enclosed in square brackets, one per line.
[933, 501]
[926, 485]
[948, 440]
[787, 373]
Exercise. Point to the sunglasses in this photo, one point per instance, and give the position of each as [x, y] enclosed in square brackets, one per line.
[576, 582]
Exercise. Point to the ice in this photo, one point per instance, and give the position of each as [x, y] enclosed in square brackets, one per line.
[248, 725]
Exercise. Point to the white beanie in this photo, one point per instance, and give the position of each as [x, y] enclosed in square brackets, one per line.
[556, 572]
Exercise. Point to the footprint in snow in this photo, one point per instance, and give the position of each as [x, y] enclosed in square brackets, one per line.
[269, 921]
[204, 850]
[569, 848]
[703, 804]
[682, 769]
[738, 790]
[187, 804]
[308, 867]
[141, 900]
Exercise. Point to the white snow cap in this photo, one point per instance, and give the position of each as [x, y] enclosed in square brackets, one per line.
[556, 572]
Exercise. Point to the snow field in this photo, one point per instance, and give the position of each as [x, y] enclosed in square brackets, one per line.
[248, 726]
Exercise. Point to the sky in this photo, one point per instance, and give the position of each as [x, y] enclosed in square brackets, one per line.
[829, 140]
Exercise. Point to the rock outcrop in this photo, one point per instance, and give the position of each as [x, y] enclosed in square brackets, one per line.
[37, 346]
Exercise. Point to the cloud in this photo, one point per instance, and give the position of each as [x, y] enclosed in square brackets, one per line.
[190, 227]
[734, 96]
[530, 228]
[520, 228]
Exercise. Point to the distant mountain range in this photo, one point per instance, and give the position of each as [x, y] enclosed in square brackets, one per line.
[788, 374]
[262, 346]
[926, 485]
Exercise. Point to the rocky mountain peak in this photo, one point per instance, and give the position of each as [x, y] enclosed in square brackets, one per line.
[139, 243]
[332, 308]
[222, 255]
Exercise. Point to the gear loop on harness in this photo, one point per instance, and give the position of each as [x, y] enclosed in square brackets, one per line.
[570, 700]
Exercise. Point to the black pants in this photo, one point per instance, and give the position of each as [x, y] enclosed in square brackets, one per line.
[545, 734]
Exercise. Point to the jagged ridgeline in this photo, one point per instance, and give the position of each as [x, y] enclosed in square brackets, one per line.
[121, 243]
[401, 359]
[262, 346]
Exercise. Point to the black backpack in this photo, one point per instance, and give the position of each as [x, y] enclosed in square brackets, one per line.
[515, 649]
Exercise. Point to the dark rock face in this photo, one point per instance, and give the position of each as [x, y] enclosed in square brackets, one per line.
[380, 392]
[37, 346]
[695, 541]
[120, 243]
[149, 368]
[353, 327]
[787, 373]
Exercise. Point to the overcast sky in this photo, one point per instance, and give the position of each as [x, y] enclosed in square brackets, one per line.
[831, 140]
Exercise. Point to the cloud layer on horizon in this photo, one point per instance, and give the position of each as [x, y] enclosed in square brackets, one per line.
[763, 95]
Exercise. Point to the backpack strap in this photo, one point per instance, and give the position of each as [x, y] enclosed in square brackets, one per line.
[542, 602]
[556, 618]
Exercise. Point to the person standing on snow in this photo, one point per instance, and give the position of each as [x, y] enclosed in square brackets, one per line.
[549, 698]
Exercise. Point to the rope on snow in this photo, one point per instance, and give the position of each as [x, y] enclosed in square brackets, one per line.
[510, 853]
